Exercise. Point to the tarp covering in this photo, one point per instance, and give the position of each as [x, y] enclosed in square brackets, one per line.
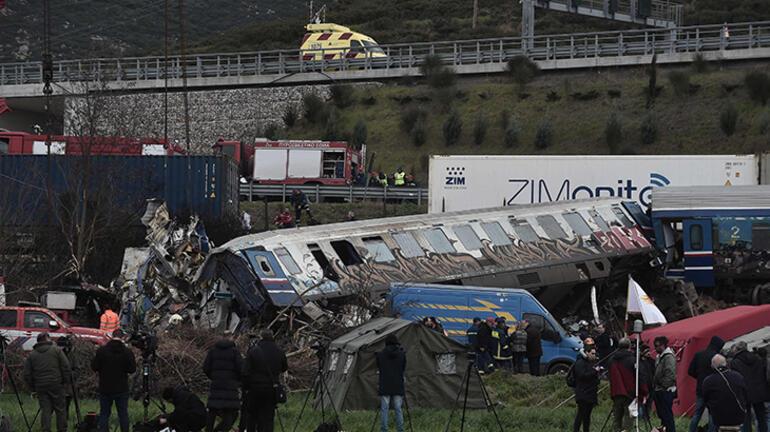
[435, 367]
[687, 337]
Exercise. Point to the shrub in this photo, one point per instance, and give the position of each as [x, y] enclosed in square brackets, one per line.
[511, 135]
[410, 116]
[544, 135]
[728, 120]
[758, 86]
[271, 131]
[649, 130]
[613, 133]
[505, 119]
[314, 108]
[522, 70]
[332, 127]
[436, 73]
[419, 133]
[700, 64]
[342, 95]
[652, 81]
[453, 129]
[360, 134]
[479, 130]
[290, 116]
[764, 123]
[680, 82]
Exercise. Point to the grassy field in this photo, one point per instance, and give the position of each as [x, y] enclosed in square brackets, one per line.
[577, 106]
[525, 404]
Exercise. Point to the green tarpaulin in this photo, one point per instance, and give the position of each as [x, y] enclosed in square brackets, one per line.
[436, 366]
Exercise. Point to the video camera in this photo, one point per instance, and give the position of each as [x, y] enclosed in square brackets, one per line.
[145, 340]
[65, 343]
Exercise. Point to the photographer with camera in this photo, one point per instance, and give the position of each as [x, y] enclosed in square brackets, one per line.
[47, 373]
[114, 362]
[189, 412]
[264, 363]
[223, 366]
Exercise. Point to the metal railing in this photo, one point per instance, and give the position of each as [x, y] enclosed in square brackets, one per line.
[256, 191]
[400, 56]
[665, 11]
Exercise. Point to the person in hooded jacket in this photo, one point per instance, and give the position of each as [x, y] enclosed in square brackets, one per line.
[113, 362]
[223, 366]
[391, 364]
[752, 368]
[664, 383]
[534, 348]
[700, 368]
[622, 374]
[47, 372]
[262, 369]
[586, 387]
[484, 342]
[519, 347]
[189, 413]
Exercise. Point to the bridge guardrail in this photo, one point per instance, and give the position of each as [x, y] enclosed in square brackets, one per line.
[402, 56]
[254, 191]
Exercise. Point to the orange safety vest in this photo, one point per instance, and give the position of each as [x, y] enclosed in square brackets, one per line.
[108, 321]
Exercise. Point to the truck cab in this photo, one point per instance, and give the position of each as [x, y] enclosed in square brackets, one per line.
[21, 326]
[455, 307]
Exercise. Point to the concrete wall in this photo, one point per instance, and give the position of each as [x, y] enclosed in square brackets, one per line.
[233, 114]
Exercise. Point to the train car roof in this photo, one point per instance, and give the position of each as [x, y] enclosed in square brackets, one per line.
[375, 226]
[710, 200]
[459, 288]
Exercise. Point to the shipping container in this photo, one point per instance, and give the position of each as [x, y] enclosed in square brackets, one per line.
[474, 182]
[117, 186]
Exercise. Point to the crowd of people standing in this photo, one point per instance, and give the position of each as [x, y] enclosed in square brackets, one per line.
[496, 345]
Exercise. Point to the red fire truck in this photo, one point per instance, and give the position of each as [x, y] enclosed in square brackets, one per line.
[29, 144]
[295, 162]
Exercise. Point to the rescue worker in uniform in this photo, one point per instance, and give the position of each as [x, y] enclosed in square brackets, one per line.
[399, 177]
[502, 353]
[109, 321]
[383, 179]
[473, 332]
[484, 340]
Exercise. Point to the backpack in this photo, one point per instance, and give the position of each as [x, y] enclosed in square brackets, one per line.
[570, 378]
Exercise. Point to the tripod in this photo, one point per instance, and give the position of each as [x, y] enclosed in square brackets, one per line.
[319, 385]
[472, 369]
[3, 347]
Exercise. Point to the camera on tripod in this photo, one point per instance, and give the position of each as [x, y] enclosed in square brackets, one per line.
[65, 343]
[145, 341]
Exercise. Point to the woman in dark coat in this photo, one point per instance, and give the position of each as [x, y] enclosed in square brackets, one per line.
[586, 388]
[223, 366]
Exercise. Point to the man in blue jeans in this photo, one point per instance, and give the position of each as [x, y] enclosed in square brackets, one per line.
[391, 363]
[114, 362]
[700, 368]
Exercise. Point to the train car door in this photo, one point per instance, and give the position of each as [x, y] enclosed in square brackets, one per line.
[698, 252]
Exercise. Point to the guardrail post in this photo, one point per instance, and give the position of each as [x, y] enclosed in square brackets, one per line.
[502, 52]
[283, 193]
[258, 60]
[419, 196]
[751, 36]
[251, 191]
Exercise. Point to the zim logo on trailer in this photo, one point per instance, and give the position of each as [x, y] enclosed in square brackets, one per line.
[455, 176]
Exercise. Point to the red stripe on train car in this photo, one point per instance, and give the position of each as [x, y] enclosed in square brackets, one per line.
[346, 36]
[306, 37]
[308, 57]
[324, 36]
[328, 56]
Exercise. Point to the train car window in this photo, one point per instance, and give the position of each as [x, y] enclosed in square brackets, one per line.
[4, 146]
[377, 248]
[467, 237]
[496, 233]
[696, 237]
[438, 240]
[524, 231]
[760, 236]
[264, 265]
[288, 262]
[551, 227]
[347, 253]
[578, 224]
[622, 217]
[599, 220]
[321, 259]
[409, 246]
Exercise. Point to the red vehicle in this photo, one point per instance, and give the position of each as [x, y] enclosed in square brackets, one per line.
[21, 325]
[295, 162]
[29, 144]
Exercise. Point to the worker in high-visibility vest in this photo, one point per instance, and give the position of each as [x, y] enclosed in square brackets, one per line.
[398, 177]
[109, 321]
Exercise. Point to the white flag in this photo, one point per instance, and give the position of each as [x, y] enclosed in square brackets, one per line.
[640, 302]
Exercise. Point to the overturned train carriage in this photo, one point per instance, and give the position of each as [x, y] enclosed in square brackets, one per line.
[548, 248]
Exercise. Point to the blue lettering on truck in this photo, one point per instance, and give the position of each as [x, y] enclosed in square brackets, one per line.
[456, 306]
[539, 190]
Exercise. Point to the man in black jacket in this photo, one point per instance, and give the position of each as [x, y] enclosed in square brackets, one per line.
[47, 372]
[114, 362]
[189, 412]
[223, 366]
[264, 363]
[700, 368]
[605, 344]
[752, 368]
[586, 375]
[534, 348]
[484, 340]
[724, 392]
[391, 364]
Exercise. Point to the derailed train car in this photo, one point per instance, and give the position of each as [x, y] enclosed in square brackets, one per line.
[547, 248]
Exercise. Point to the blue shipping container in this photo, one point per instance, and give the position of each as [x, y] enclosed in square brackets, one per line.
[31, 186]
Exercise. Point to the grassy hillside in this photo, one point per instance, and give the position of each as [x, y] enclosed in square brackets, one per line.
[576, 105]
